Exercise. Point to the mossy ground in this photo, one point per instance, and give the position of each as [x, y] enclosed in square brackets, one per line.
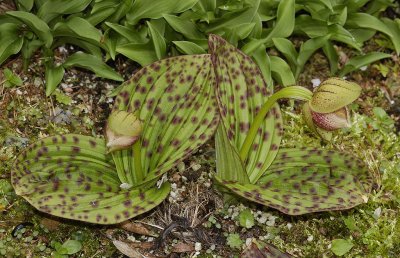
[81, 106]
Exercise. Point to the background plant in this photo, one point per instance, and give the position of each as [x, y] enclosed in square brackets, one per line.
[144, 32]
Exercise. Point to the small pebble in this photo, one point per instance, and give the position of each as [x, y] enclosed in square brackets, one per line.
[197, 246]
[195, 166]
[248, 241]
[181, 167]
[377, 213]
[315, 82]
[125, 186]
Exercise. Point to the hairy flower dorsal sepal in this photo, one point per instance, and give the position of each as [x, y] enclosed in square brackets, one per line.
[327, 110]
[122, 130]
[334, 94]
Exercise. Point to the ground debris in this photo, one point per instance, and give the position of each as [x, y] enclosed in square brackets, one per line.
[137, 228]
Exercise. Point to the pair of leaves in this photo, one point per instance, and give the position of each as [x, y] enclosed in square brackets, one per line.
[11, 79]
[72, 176]
[294, 181]
[241, 91]
[308, 180]
[175, 100]
[77, 28]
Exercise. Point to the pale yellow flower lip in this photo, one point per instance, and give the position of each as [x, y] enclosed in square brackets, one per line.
[332, 121]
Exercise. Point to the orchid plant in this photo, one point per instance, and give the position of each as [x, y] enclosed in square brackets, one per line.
[164, 113]
[169, 109]
[250, 162]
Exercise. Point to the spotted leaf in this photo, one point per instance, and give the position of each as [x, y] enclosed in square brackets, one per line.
[175, 100]
[241, 91]
[258, 249]
[309, 180]
[71, 176]
[227, 158]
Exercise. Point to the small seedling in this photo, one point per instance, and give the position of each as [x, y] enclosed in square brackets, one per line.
[67, 248]
[11, 79]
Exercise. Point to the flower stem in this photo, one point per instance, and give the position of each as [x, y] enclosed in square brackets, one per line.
[294, 92]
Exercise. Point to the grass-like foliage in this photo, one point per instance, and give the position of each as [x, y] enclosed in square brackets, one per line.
[147, 31]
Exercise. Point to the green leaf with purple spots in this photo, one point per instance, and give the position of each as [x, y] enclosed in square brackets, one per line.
[302, 181]
[241, 91]
[229, 164]
[261, 249]
[175, 100]
[71, 176]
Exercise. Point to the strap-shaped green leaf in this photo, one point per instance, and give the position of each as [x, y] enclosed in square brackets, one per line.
[184, 26]
[142, 53]
[10, 41]
[156, 9]
[92, 63]
[53, 75]
[189, 48]
[51, 9]
[175, 101]
[309, 180]
[38, 26]
[80, 28]
[158, 41]
[71, 176]
[241, 91]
